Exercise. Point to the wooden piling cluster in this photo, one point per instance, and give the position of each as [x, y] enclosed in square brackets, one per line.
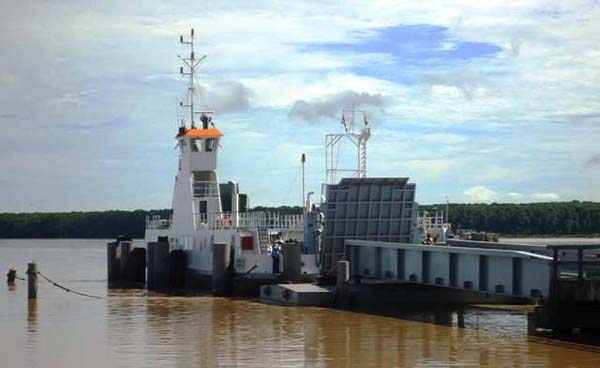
[126, 267]
[167, 270]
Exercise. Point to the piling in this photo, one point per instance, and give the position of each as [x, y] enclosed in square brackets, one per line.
[32, 281]
[222, 275]
[150, 249]
[342, 292]
[177, 269]
[11, 276]
[292, 261]
[125, 248]
[113, 264]
[158, 265]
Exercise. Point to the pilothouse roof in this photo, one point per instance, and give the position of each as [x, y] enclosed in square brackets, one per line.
[201, 133]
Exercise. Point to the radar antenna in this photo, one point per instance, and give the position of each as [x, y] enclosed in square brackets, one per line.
[190, 63]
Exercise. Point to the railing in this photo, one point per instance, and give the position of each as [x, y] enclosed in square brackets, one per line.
[205, 189]
[157, 223]
[249, 220]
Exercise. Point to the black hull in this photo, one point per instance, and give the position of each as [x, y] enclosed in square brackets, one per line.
[243, 285]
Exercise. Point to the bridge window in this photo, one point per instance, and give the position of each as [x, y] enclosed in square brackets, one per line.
[210, 144]
[194, 145]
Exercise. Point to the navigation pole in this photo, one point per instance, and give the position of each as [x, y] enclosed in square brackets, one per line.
[190, 63]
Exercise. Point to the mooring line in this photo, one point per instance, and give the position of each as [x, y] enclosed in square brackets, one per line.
[67, 289]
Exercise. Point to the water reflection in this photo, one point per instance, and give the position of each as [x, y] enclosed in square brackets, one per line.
[206, 332]
[32, 324]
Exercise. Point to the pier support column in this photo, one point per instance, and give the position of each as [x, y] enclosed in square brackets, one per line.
[292, 261]
[342, 292]
[222, 275]
[112, 264]
[150, 249]
[158, 265]
[32, 281]
[125, 248]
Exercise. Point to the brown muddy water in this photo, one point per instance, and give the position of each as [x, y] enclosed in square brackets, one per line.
[130, 329]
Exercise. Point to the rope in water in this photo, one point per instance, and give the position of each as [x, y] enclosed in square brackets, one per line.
[67, 289]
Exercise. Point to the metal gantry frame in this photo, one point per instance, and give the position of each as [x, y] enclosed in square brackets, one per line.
[357, 137]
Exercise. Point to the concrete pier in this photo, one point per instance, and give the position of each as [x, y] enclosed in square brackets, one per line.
[222, 275]
[32, 281]
[292, 261]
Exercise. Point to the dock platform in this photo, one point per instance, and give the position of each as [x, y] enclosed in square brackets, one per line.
[297, 294]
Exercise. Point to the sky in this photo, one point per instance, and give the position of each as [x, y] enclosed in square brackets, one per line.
[474, 101]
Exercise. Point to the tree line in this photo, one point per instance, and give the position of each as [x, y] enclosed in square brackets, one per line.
[552, 219]
[80, 225]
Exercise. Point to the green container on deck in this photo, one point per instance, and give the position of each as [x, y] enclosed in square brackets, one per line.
[226, 189]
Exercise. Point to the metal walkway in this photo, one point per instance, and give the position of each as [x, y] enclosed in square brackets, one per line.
[500, 271]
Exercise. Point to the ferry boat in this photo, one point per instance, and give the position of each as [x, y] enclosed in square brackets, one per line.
[198, 220]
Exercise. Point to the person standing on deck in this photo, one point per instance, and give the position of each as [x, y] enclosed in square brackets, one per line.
[276, 254]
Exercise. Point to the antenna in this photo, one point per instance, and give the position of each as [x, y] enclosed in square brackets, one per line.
[303, 183]
[357, 137]
[191, 63]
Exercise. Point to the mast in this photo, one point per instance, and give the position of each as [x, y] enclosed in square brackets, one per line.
[191, 63]
[303, 183]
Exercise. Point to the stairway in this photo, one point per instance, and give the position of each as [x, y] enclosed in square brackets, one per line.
[263, 239]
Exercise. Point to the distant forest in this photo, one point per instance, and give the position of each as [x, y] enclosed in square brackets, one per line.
[548, 219]
[551, 218]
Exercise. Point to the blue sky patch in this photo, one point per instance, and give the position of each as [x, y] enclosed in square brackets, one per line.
[411, 47]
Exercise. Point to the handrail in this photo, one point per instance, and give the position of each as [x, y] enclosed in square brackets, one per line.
[250, 220]
[240, 220]
[205, 188]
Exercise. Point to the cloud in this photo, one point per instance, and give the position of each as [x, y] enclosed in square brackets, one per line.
[544, 197]
[480, 194]
[514, 196]
[467, 81]
[491, 173]
[594, 160]
[483, 194]
[224, 97]
[493, 72]
[331, 106]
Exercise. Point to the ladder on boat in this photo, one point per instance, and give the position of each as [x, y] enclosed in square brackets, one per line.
[263, 239]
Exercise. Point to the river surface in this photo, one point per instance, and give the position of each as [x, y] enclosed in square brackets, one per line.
[131, 329]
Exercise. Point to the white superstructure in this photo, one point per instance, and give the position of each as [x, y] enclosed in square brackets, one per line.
[198, 220]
